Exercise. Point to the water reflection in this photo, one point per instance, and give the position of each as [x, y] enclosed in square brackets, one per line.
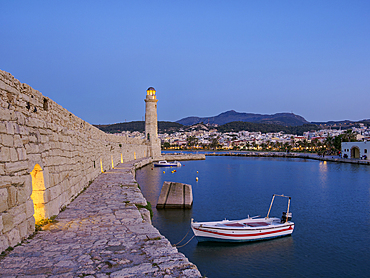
[323, 173]
[323, 166]
[151, 188]
[173, 216]
[252, 259]
[248, 249]
[324, 195]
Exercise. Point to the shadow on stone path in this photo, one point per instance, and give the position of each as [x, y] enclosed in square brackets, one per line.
[101, 233]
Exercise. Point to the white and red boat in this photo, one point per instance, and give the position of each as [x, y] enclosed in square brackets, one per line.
[248, 229]
[164, 163]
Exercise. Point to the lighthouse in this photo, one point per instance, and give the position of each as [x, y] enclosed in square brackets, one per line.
[151, 123]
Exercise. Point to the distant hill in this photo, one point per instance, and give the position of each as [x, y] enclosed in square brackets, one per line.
[286, 122]
[139, 126]
[283, 119]
[171, 127]
[266, 128]
[342, 124]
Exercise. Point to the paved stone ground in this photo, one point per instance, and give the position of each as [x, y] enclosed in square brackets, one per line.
[102, 233]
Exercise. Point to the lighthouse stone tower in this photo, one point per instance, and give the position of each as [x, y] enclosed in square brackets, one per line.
[151, 123]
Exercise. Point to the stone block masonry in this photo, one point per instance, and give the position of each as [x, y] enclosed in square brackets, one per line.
[47, 156]
[104, 232]
[175, 195]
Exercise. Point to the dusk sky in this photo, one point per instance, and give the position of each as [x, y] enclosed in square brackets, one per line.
[97, 58]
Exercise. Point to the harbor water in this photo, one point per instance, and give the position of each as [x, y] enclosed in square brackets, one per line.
[330, 206]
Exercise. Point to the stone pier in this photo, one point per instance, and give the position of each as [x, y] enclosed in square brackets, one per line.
[175, 195]
[105, 232]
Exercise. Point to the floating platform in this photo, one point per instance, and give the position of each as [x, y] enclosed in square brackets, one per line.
[175, 195]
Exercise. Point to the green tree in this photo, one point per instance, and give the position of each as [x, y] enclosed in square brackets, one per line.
[166, 145]
[305, 145]
[287, 147]
[338, 142]
[214, 143]
[264, 146]
[329, 143]
[254, 144]
[192, 141]
[235, 146]
[349, 136]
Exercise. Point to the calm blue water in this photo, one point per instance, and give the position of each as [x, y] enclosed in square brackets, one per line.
[330, 205]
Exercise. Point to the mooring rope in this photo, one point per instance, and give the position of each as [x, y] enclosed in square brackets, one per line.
[182, 238]
[175, 245]
[186, 242]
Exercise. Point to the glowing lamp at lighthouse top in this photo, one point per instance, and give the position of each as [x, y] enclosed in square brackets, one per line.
[150, 91]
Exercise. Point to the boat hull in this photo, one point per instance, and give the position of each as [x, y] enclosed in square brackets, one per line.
[167, 164]
[208, 233]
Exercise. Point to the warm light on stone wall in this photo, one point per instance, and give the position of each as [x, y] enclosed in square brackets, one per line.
[34, 130]
[38, 191]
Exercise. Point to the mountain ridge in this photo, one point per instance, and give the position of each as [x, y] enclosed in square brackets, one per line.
[285, 119]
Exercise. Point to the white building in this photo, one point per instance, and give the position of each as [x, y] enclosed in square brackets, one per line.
[356, 150]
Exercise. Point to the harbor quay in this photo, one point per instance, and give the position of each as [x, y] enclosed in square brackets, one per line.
[105, 232]
[292, 155]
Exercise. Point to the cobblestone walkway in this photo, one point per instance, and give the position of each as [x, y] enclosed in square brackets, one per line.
[102, 233]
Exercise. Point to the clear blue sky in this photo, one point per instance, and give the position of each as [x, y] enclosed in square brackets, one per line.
[97, 58]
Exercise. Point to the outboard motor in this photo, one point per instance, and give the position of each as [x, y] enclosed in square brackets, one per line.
[285, 216]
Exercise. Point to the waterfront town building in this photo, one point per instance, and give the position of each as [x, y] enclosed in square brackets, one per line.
[246, 140]
[356, 150]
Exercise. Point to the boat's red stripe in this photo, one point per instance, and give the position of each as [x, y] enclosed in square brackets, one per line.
[245, 235]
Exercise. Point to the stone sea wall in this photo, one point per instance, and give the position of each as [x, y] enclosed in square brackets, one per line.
[47, 156]
[292, 155]
[183, 156]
